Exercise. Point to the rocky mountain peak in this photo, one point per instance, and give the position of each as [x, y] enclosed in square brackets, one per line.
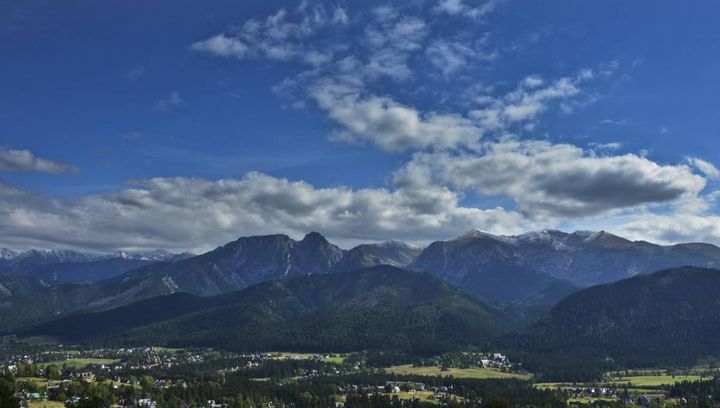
[314, 237]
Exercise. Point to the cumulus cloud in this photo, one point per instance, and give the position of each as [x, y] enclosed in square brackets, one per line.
[189, 213]
[669, 228]
[558, 180]
[385, 122]
[26, 161]
[455, 151]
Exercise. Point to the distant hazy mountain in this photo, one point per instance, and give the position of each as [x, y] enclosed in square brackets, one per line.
[670, 317]
[489, 267]
[157, 255]
[581, 258]
[381, 307]
[73, 266]
[44, 257]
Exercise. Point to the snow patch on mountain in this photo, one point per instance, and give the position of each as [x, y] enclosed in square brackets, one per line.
[7, 254]
[157, 255]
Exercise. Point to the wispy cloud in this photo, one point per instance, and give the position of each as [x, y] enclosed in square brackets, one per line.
[172, 101]
[705, 167]
[134, 135]
[616, 122]
[452, 56]
[391, 39]
[135, 73]
[281, 36]
[459, 7]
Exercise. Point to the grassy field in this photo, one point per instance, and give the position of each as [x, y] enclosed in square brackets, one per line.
[78, 362]
[39, 380]
[47, 404]
[336, 358]
[638, 382]
[585, 400]
[653, 380]
[481, 373]
[553, 386]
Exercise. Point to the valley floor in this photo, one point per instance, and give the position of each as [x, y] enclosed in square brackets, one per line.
[53, 377]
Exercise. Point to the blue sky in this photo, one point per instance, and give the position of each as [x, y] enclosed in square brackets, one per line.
[182, 125]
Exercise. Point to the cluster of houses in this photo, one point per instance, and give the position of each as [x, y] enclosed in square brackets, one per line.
[591, 392]
[24, 398]
[396, 387]
[494, 360]
[497, 361]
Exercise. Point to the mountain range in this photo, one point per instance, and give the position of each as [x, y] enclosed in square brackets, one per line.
[668, 318]
[582, 258]
[532, 271]
[73, 266]
[569, 305]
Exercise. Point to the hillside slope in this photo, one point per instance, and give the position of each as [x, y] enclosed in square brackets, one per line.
[670, 317]
[381, 307]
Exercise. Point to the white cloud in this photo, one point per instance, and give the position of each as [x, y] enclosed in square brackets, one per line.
[26, 161]
[344, 83]
[558, 180]
[455, 152]
[524, 104]
[391, 39]
[606, 146]
[222, 46]
[707, 168]
[384, 122]
[341, 90]
[671, 228]
[281, 36]
[196, 214]
[621, 122]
